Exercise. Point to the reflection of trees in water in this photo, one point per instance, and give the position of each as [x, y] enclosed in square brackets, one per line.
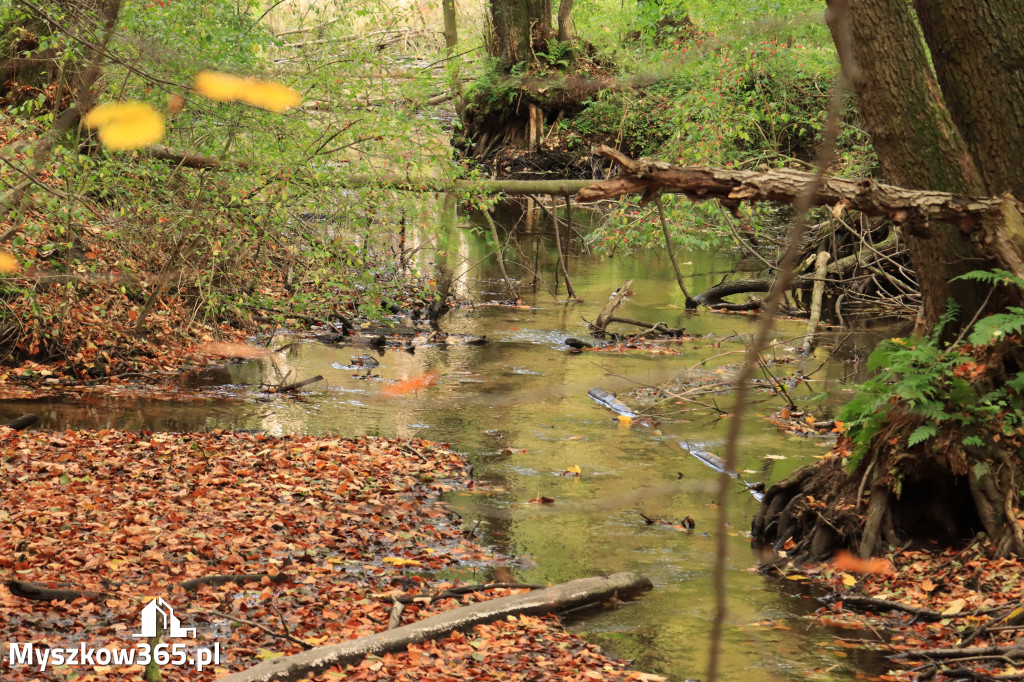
[133, 414]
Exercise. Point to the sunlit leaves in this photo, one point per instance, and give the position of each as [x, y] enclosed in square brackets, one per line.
[126, 125]
[223, 87]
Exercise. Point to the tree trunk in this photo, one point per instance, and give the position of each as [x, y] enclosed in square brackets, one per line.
[519, 28]
[564, 23]
[978, 55]
[451, 33]
[917, 144]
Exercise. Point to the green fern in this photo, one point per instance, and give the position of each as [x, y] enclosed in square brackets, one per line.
[994, 327]
[922, 378]
[922, 433]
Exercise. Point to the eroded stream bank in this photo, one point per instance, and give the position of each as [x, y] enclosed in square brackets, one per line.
[519, 407]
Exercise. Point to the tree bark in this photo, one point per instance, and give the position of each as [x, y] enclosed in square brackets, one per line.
[917, 143]
[451, 33]
[564, 23]
[978, 55]
[517, 29]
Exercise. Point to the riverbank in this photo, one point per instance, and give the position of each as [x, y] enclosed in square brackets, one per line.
[267, 546]
[951, 613]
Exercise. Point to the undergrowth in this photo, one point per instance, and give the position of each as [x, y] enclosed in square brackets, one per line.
[942, 384]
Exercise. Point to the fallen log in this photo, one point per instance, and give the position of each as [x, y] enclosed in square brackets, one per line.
[659, 327]
[191, 159]
[784, 185]
[484, 187]
[23, 422]
[712, 298]
[463, 590]
[570, 595]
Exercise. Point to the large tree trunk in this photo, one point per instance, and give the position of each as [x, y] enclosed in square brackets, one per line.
[564, 23]
[979, 60]
[519, 28]
[917, 144]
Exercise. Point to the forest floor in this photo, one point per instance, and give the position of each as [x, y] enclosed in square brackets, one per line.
[936, 613]
[329, 534]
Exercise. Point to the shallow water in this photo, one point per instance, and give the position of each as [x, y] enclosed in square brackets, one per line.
[518, 407]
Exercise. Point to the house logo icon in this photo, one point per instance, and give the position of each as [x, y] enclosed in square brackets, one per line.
[158, 616]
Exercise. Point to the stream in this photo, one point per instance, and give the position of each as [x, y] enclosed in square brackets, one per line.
[518, 406]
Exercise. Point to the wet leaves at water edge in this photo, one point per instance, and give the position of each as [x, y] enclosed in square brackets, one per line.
[943, 614]
[329, 531]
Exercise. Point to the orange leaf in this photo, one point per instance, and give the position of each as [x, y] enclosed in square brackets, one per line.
[844, 561]
[8, 263]
[411, 385]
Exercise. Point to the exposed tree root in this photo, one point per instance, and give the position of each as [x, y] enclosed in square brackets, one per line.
[915, 499]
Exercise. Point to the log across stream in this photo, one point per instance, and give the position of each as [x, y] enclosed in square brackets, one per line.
[519, 407]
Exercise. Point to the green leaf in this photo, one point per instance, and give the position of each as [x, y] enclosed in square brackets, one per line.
[922, 433]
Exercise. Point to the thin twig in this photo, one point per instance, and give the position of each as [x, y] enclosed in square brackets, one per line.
[291, 638]
[770, 309]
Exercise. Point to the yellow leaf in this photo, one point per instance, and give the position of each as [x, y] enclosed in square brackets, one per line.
[849, 580]
[271, 96]
[623, 419]
[222, 87]
[796, 577]
[574, 469]
[126, 125]
[8, 263]
[400, 561]
[955, 607]
[267, 654]
[316, 641]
